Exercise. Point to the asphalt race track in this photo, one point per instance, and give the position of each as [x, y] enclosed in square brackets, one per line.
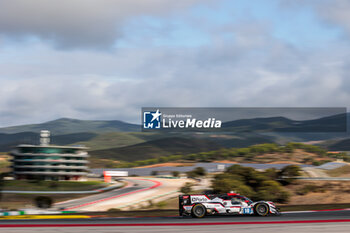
[322, 221]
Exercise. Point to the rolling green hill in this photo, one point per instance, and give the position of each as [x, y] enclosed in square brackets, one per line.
[340, 145]
[335, 123]
[104, 135]
[9, 141]
[119, 139]
[258, 124]
[241, 140]
[156, 148]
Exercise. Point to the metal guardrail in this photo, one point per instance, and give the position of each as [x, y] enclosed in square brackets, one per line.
[323, 178]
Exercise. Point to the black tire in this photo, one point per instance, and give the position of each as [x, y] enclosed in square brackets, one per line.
[198, 211]
[261, 209]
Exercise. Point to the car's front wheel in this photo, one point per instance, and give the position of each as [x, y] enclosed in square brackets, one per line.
[198, 211]
[261, 209]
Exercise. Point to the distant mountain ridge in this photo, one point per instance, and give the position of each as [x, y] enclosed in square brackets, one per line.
[63, 126]
[9, 141]
[157, 148]
[69, 126]
[340, 145]
[335, 123]
[100, 135]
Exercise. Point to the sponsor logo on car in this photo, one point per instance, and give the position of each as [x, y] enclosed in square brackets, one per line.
[199, 199]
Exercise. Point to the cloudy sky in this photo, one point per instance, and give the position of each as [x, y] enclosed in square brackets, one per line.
[105, 59]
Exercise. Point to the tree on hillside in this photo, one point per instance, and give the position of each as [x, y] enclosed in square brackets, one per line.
[154, 173]
[175, 173]
[250, 182]
[186, 188]
[264, 148]
[291, 171]
[272, 190]
[230, 184]
[251, 176]
[288, 173]
[272, 173]
[197, 172]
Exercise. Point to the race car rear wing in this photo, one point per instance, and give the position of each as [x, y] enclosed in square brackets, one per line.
[183, 200]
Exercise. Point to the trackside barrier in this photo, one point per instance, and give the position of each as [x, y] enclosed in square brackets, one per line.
[33, 212]
[323, 178]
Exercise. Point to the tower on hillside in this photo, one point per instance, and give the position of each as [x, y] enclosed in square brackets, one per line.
[49, 162]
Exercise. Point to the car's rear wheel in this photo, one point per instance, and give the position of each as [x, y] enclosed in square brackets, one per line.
[198, 211]
[261, 209]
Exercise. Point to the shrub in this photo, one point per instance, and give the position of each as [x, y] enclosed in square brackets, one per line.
[53, 184]
[248, 153]
[187, 188]
[271, 173]
[43, 202]
[273, 191]
[197, 172]
[225, 185]
[288, 173]
[163, 159]
[309, 188]
[243, 151]
[154, 173]
[250, 176]
[176, 174]
[200, 171]
[112, 210]
[247, 181]
[161, 204]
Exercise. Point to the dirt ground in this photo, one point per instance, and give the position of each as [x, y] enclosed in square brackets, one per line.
[224, 161]
[343, 171]
[319, 192]
[167, 165]
[297, 157]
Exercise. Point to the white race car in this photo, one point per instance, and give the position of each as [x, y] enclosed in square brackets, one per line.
[199, 205]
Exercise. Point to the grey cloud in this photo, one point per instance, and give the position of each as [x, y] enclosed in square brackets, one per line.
[333, 13]
[78, 23]
[228, 72]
